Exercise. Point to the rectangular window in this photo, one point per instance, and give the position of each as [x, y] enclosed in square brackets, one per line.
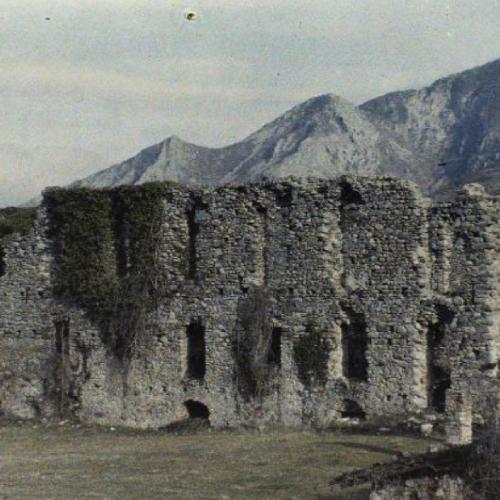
[439, 379]
[196, 363]
[192, 234]
[354, 347]
[274, 353]
[2, 262]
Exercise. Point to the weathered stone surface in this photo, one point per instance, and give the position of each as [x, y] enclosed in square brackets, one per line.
[405, 295]
[427, 488]
[459, 417]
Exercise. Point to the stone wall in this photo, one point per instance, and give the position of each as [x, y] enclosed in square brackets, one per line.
[372, 301]
[426, 488]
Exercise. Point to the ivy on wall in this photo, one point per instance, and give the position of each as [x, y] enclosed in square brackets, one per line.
[16, 220]
[107, 253]
[311, 352]
[252, 343]
[82, 227]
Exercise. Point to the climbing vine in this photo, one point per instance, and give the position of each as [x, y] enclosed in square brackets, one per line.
[108, 256]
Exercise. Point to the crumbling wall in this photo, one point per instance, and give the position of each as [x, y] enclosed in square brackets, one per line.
[385, 279]
[464, 303]
[425, 488]
[315, 300]
[26, 323]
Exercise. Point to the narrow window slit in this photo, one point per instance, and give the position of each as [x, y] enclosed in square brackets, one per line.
[274, 354]
[2, 262]
[438, 375]
[354, 349]
[193, 229]
[192, 214]
[196, 362]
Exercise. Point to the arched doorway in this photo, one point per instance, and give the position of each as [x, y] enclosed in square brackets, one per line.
[197, 410]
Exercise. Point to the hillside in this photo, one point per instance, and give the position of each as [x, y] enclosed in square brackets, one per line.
[440, 137]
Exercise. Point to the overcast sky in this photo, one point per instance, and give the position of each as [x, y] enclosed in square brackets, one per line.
[87, 83]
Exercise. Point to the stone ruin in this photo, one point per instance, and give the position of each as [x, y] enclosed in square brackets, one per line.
[459, 413]
[442, 475]
[298, 302]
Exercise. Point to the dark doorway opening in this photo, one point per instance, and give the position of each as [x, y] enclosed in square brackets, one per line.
[274, 353]
[196, 362]
[196, 409]
[439, 377]
[354, 347]
[351, 409]
[440, 382]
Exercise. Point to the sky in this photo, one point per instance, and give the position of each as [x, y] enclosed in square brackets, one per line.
[88, 83]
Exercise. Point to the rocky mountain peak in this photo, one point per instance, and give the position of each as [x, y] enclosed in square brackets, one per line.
[440, 137]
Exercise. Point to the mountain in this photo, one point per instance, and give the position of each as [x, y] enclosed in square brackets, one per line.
[440, 137]
[454, 125]
[324, 136]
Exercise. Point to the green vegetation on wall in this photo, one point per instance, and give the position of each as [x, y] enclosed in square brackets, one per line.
[311, 352]
[81, 223]
[107, 254]
[252, 343]
[16, 220]
[143, 282]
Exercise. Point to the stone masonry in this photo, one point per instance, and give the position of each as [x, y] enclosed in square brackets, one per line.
[404, 293]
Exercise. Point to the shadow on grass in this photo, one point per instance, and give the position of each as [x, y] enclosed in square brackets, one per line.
[396, 431]
[187, 426]
[364, 447]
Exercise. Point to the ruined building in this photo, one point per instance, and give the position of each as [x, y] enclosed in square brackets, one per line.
[290, 301]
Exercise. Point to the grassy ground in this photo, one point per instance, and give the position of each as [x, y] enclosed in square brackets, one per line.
[69, 462]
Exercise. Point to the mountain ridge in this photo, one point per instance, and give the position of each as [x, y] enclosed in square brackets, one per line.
[440, 137]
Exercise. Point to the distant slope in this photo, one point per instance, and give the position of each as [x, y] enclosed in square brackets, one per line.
[325, 136]
[454, 124]
[440, 137]
[171, 160]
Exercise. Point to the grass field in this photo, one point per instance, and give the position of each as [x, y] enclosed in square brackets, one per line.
[69, 462]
